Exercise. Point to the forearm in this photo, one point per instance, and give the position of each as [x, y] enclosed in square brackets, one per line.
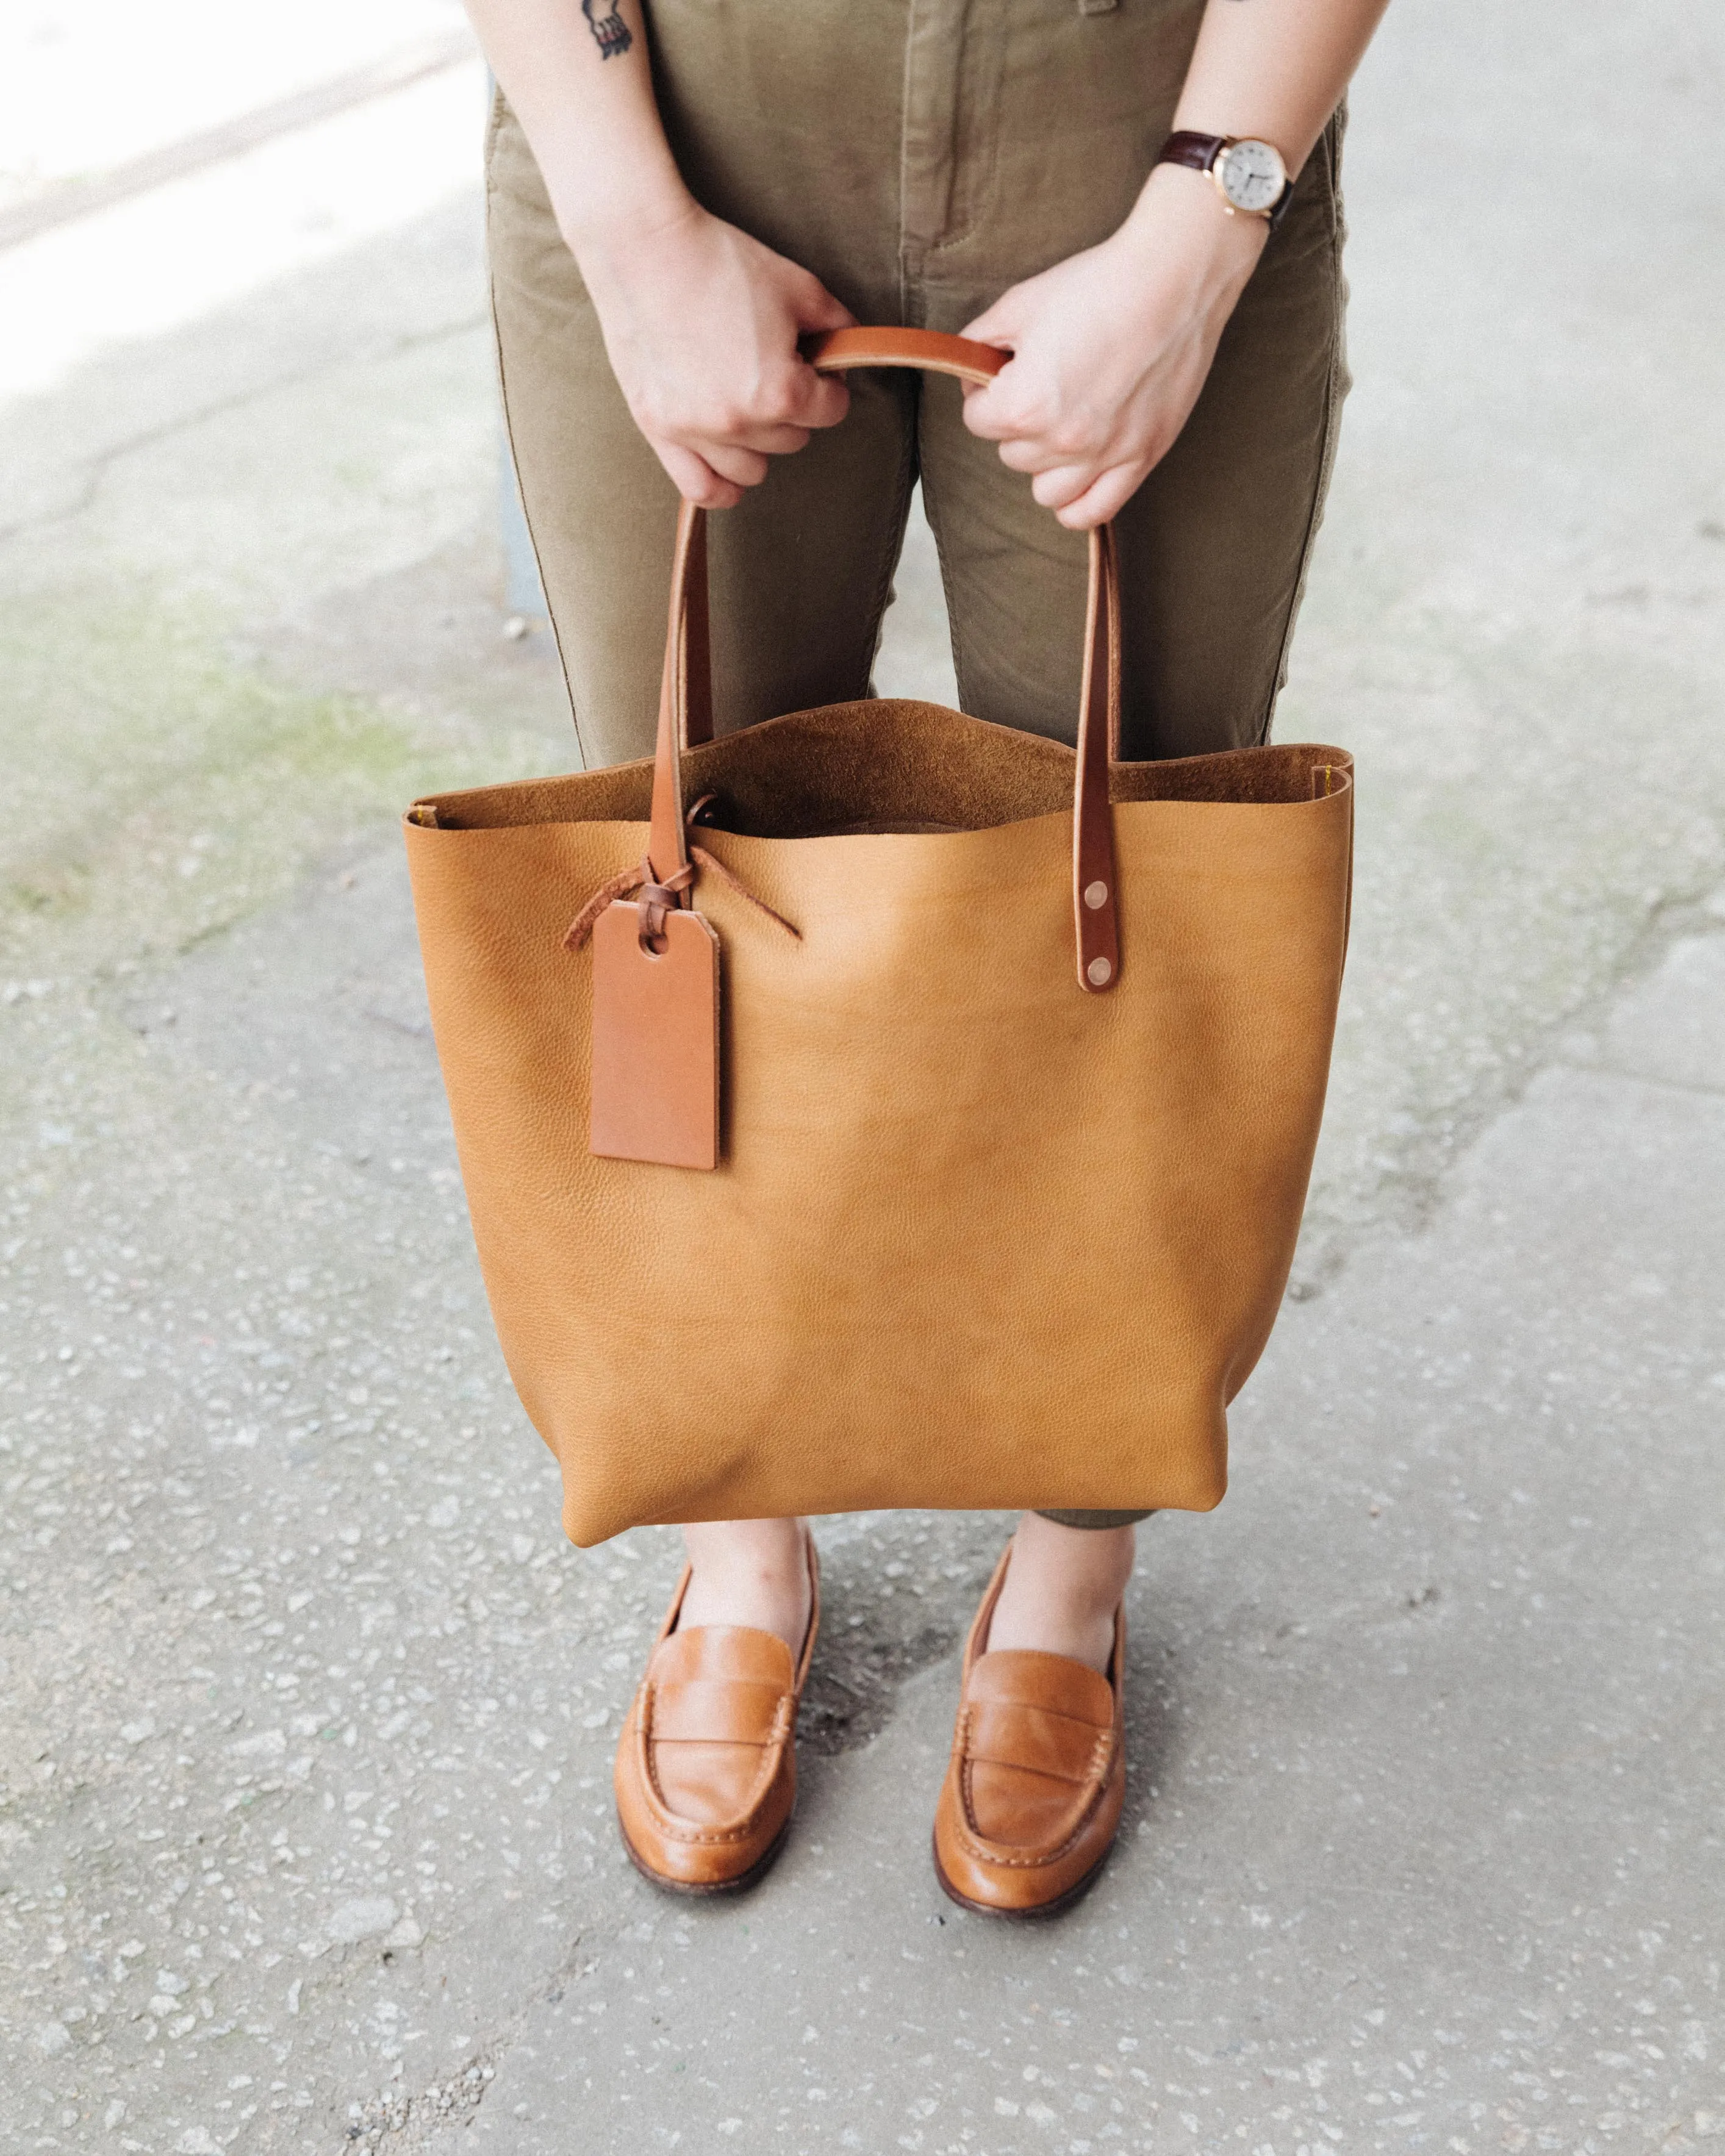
[581, 86]
[1110, 347]
[1274, 69]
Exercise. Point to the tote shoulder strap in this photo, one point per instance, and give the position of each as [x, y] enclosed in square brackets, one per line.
[686, 688]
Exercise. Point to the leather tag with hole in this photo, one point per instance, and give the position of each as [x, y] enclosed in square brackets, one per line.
[656, 1040]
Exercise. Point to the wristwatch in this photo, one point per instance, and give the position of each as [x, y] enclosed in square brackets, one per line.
[1249, 174]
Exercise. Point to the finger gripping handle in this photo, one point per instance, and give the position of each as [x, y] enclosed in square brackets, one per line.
[929, 349]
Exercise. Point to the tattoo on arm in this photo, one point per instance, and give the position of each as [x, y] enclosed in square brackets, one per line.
[608, 27]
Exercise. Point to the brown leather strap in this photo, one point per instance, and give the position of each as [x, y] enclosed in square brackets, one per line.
[834, 352]
[697, 674]
[656, 900]
[927, 350]
[1197, 151]
[685, 691]
[1094, 897]
[667, 845]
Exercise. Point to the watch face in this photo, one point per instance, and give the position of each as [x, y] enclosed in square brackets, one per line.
[1252, 175]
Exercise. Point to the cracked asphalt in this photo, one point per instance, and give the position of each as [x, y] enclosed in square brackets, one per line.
[307, 1710]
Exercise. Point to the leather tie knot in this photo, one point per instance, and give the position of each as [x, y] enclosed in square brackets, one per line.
[656, 900]
[659, 899]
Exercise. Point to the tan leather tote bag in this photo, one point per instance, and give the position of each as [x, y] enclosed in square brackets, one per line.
[915, 1113]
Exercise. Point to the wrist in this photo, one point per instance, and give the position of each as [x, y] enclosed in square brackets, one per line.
[605, 226]
[1180, 213]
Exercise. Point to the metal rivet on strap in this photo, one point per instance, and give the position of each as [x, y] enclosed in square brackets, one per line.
[1096, 895]
[1098, 972]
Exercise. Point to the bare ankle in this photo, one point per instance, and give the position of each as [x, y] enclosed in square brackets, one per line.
[753, 1573]
[1062, 1588]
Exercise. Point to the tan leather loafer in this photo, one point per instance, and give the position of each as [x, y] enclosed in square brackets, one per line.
[1033, 1792]
[706, 1769]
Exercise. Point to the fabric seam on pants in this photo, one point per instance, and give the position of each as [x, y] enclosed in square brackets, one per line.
[955, 633]
[974, 181]
[904, 174]
[493, 128]
[1329, 143]
[909, 466]
[957, 639]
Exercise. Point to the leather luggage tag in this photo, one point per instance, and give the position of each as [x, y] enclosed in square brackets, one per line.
[656, 1039]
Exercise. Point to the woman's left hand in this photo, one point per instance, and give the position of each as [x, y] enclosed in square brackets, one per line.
[1110, 347]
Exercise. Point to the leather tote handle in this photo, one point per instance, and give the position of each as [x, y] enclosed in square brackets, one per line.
[685, 687]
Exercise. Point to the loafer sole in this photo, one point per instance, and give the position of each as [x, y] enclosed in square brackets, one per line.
[1061, 1904]
[704, 1889]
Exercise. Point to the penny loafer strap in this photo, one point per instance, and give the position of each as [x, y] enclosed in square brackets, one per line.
[1037, 1740]
[716, 1710]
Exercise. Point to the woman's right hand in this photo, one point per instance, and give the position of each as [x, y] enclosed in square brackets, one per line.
[701, 323]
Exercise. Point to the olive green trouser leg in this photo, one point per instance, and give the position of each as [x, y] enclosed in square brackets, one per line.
[1095, 1519]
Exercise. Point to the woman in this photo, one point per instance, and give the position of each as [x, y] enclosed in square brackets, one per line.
[1138, 199]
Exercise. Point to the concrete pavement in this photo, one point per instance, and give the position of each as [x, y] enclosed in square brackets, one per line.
[308, 1711]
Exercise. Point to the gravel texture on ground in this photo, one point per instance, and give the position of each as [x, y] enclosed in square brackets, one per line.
[306, 1710]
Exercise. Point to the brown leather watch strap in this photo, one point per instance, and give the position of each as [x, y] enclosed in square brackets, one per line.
[1198, 151]
[685, 691]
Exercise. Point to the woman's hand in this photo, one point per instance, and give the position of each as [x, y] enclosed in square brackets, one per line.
[1110, 347]
[702, 324]
[700, 321]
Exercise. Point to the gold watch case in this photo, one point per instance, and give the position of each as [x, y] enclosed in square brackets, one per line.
[1250, 176]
